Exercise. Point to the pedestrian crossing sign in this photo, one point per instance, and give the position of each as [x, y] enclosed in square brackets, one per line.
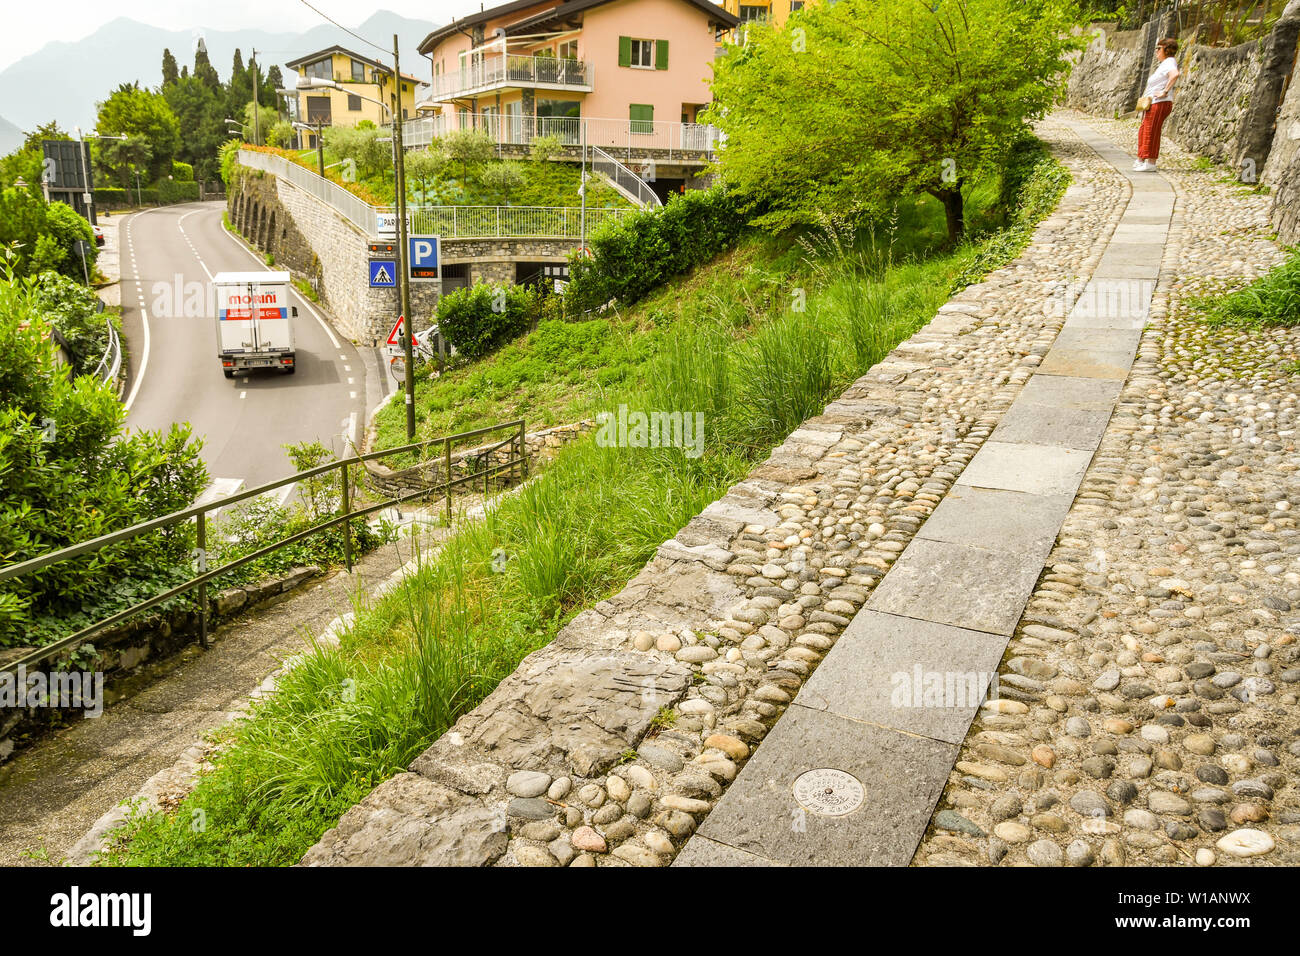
[383, 274]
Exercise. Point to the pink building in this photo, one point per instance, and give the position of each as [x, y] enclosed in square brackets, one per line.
[636, 71]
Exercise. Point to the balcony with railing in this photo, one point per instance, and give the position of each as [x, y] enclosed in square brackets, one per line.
[624, 138]
[485, 74]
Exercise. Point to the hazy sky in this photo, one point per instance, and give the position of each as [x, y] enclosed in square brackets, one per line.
[29, 26]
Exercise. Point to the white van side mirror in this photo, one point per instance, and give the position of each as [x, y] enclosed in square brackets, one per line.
[295, 310]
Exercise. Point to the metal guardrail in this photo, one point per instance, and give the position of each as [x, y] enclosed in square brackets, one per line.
[518, 460]
[626, 181]
[449, 222]
[625, 137]
[111, 364]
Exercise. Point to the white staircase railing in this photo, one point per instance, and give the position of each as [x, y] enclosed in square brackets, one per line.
[623, 179]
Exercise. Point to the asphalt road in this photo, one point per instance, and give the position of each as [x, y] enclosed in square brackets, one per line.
[168, 256]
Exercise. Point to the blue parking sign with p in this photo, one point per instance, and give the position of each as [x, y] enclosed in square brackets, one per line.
[383, 273]
[423, 256]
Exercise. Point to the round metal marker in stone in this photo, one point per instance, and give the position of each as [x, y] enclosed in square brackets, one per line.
[829, 792]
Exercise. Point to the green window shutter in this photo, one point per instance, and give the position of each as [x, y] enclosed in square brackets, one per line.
[661, 54]
[641, 117]
[624, 51]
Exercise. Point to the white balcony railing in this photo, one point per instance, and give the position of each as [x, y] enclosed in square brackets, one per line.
[624, 138]
[483, 73]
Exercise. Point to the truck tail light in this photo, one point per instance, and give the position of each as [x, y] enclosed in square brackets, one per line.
[225, 364]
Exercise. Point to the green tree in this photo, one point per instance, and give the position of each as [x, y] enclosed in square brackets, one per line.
[469, 147]
[142, 113]
[504, 178]
[266, 118]
[169, 73]
[201, 114]
[423, 169]
[867, 100]
[121, 158]
[204, 70]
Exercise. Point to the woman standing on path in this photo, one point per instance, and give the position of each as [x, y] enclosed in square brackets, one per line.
[1159, 95]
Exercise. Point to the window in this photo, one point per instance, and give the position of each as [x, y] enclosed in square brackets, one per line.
[318, 110]
[568, 51]
[358, 72]
[320, 70]
[643, 53]
[796, 5]
[354, 102]
[641, 117]
[750, 14]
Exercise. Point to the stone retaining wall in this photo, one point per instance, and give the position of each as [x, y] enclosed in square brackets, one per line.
[128, 653]
[1212, 99]
[277, 218]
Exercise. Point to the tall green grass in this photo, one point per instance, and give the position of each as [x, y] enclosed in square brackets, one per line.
[1271, 301]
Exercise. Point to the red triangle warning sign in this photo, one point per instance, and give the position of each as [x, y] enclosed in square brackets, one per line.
[394, 337]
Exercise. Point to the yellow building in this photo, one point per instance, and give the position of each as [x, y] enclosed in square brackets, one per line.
[363, 84]
[774, 11]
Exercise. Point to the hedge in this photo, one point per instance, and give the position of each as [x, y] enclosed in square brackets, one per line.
[482, 318]
[165, 193]
[633, 257]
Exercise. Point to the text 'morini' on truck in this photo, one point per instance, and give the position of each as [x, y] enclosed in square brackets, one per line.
[254, 321]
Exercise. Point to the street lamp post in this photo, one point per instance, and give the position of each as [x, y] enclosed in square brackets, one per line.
[399, 178]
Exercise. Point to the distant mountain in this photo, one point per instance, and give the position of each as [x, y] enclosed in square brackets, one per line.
[11, 137]
[63, 81]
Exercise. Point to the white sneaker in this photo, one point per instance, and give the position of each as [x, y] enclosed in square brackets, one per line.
[1147, 167]
[1137, 164]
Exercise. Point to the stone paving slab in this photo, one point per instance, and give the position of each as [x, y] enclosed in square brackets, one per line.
[1044, 424]
[1032, 469]
[997, 520]
[1122, 267]
[1101, 340]
[1088, 363]
[913, 676]
[897, 770]
[1062, 390]
[701, 851]
[959, 585]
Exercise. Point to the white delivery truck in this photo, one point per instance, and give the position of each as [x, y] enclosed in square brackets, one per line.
[254, 321]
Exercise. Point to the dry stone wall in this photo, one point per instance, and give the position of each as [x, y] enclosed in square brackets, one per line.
[1212, 99]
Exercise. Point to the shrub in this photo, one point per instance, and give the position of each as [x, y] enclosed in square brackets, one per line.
[74, 310]
[182, 172]
[484, 317]
[70, 472]
[633, 257]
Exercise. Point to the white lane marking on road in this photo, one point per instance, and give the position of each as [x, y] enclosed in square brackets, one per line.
[352, 394]
[144, 358]
[350, 382]
[242, 394]
[334, 340]
[349, 429]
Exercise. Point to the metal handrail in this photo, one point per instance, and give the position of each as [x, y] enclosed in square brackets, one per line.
[199, 512]
[623, 179]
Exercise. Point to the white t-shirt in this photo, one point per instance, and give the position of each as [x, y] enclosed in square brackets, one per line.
[1159, 77]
